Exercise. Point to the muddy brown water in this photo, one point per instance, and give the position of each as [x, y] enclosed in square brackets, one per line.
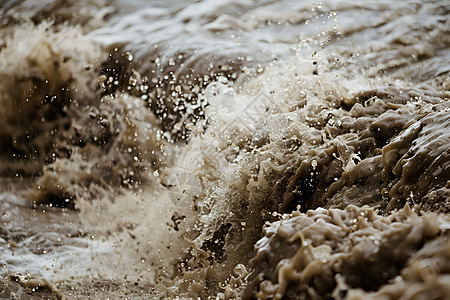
[224, 149]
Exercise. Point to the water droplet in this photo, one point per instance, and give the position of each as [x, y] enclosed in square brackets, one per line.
[101, 78]
[132, 81]
[128, 56]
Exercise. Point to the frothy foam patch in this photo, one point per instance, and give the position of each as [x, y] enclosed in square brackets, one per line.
[351, 253]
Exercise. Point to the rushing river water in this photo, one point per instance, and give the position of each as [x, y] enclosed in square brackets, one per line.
[224, 149]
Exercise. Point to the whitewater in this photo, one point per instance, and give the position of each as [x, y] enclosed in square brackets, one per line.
[224, 149]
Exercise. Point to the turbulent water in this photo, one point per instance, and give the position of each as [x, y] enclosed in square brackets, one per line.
[224, 149]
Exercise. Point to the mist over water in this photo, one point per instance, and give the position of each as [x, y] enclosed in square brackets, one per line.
[224, 149]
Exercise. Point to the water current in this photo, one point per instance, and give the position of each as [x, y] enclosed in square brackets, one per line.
[224, 149]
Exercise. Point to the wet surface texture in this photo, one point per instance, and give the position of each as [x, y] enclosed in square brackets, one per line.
[232, 149]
